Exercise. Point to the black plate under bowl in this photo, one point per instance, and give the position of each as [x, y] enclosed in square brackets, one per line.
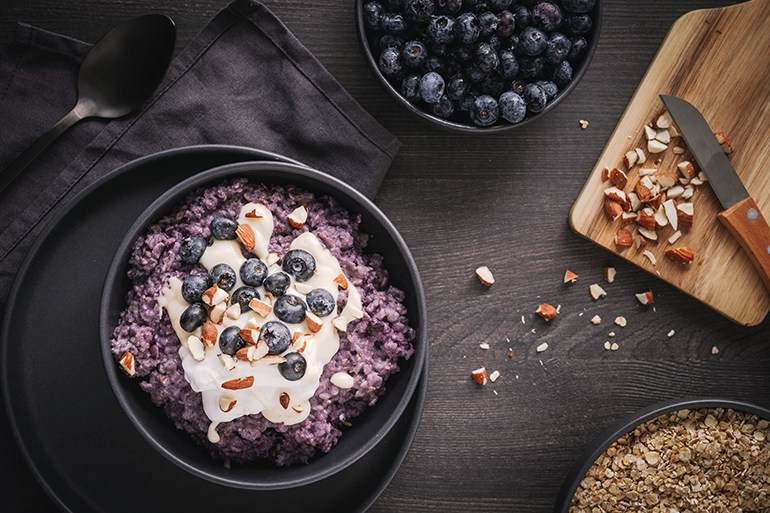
[628, 424]
[86, 454]
[367, 429]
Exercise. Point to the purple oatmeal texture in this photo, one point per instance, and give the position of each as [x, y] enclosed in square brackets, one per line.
[369, 351]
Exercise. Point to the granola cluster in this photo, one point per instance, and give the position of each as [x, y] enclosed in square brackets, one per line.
[711, 460]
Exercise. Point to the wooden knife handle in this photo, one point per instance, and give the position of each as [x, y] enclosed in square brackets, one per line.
[745, 222]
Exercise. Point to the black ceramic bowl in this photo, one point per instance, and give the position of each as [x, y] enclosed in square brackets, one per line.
[460, 122]
[367, 430]
[628, 424]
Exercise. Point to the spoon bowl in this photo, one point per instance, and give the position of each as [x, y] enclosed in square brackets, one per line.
[118, 75]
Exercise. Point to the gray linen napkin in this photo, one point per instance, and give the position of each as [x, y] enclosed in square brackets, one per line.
[244, 80]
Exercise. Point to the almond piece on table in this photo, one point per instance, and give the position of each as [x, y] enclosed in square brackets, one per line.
[684, 214]
[619, 178]
[596, 291]
[683, 255]
[570, 277]
[485, 276]
[547, 311]
[612, 209]
[609, 274]
[623, 238]
[480, 375]
[645, 298]
[724, 142]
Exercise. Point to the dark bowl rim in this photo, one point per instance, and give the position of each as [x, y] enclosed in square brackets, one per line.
[453, 126]
[211, 176]
[628, 423]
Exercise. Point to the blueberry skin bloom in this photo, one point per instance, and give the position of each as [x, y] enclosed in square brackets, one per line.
[485, 58]
[230, 341]
[534, 97]
[299, 263]
[557, 49]
[551, 89]
[431, 87]
[275, 334]
[509, 64]
[414, 54]
[277, 283]
[390, 61]
[192, 248]
[562, 74]
[578, 6]
[194, 286]
[485, 110]
[253, 272]
[467, 28]
[441, 29]
[373, 12]
[193, 317]
[457, 86]
[223, 276]
[512, 107]
[410, 87]
[243, 295]
[320, 302]
[532, 41]
[547, 16]
[223, 228]
[294, 367]
[577, 24]
[393, 23]
[290, 309]
[419, 11]
[444, 107]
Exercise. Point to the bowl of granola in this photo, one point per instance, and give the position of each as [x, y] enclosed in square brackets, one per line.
[262, 325]
[688, 454]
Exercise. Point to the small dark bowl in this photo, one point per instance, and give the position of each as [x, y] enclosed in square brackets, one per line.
[628, 424]
[368, 429]
[459, 123]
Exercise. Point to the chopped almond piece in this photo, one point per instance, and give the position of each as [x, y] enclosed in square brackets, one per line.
[485, 276]
[547, 311]
[570, 277]
[480, 375]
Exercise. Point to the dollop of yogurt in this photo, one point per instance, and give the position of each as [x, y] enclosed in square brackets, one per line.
[232, 387]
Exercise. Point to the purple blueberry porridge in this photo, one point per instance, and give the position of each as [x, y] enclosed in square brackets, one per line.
[257, 322]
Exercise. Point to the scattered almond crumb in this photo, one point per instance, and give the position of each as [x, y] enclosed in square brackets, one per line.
[596, 320]
[510, 353]
[480, 375]
[609, 274]
[485, 276]
[596, 291]
[542, 347]
[484, 345]
[493, 377]
[583, 124]
[714, 350]
[614, 346]
[611, 334]
[607, 345]
[570, 277]
[620, 321]
[671, 333]
[650, 256]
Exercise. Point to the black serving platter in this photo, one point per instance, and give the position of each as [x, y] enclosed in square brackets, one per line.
[72, 432]
[628, 424]
[367, 429]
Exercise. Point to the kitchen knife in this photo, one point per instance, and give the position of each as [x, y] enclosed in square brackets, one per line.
[741, 215]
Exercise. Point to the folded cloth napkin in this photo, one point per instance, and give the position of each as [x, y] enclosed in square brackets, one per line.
[244, 80]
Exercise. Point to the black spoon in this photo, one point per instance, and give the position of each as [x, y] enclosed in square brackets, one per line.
[119, 73]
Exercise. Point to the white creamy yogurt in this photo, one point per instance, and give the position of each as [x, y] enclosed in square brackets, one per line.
[278, 399]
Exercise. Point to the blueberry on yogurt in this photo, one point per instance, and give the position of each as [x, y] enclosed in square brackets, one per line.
[276, 335]
[290, 309]
[193, 317]
[253, 272]
[223, 276]
[294, 366]
[223, 228]
[277, 283]
[320, 302]
[230, 341]
[194, 286]
[192, 248]
[243, 295]
[299, 263]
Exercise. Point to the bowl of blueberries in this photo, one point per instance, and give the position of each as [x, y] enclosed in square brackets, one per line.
[476, 66]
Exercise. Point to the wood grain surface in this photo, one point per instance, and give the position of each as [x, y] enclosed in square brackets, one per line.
[705, 60]
[501, 201]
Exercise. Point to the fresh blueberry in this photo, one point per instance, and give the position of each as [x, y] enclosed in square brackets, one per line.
[243, 295]
[522, 15]
[194, 286]
[439, 50]
[532, 41]
[223, 276]
[289, 308]
[431, 87]
[467, 28]
[557, 49]
[441, 29]
[434, 64]
[294, 366]
[444, 107]
[193, 317]
[547, 16]
[465, 103]
[495, 42]
[487, 23]
[390, 61]
[485, 110]
[457, 86]
[509, 64]
[414, 54]
[517, 86]
[253, 272]
[577, 24]
[299, 263]
[192, 248]
[410, 87]
[512, 107]
[475, 74]
[562, 74]
[579, 46]
[534, 97]
[391, 41]
[506, 23]
[449, 6]
[451, 67]
[551, 89]
[419, 11]
[393, 23]
[276, 335]
[493, 85]
[373, 12]
[530, 67]
[320, 302]
[277, 283]
[485, 57]
[230, 341]
[223, 228]
[578, 6]
[499, 5]
[463, 52]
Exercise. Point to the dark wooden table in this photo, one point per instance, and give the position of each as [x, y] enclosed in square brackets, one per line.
[501, 201]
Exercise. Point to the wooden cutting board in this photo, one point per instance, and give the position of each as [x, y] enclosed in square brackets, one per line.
[718, 60]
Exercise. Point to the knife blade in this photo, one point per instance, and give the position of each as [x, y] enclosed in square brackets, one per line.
[741, 215]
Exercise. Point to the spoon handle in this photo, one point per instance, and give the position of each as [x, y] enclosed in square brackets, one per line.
[15, 168]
